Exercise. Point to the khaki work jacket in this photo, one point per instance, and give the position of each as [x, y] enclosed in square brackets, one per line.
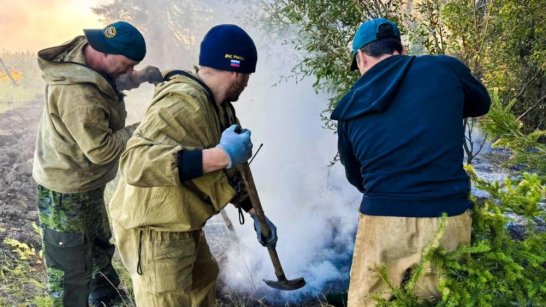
[181, 116]
[82, 131]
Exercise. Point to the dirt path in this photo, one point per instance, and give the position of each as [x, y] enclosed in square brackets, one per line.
[18, 209]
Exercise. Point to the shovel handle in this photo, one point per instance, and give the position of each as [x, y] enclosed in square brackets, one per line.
[255, 200]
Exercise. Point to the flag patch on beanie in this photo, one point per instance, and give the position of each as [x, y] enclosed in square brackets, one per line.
[235, 63]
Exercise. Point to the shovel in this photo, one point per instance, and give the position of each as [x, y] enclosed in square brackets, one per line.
[282, 283]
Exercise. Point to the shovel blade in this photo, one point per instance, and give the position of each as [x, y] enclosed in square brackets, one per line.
[285, 284]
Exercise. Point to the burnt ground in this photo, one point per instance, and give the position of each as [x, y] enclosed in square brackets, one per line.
[18, 208]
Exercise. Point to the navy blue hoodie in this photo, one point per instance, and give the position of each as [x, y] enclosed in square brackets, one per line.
[401, 133]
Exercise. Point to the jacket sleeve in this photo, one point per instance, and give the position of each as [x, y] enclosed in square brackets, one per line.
[173, 124]
[90, 128]
[147, 164]
[477, 100]
[348, 159]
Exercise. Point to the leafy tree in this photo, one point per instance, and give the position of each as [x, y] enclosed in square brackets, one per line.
[504, 43]
[516, 59]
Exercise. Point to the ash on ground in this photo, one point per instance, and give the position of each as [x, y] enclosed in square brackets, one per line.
[18, 208]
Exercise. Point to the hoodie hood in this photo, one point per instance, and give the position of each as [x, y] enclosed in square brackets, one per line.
[65, 64]
[181, 83]
[373, 92]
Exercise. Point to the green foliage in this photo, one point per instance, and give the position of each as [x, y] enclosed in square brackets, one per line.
[427, 36]
[22, 275]
[23, 250]
[528, 149]
[513, 271]
[516, 61]
[497, 269]
[503, 42]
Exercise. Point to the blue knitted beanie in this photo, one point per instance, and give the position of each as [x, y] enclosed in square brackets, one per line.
[228, 47]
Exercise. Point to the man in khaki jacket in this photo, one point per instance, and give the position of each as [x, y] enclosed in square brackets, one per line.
[81, 135]
[179, 169]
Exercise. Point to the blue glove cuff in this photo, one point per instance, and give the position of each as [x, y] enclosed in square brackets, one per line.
[230, 163]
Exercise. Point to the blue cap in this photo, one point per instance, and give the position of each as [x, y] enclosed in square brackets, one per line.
[368, 32]
[228, 47]
[118, 38]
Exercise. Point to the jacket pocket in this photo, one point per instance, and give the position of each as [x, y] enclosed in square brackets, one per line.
[65, 250]
[172, 260]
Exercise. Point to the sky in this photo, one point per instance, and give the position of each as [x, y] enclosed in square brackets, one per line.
[31, 25]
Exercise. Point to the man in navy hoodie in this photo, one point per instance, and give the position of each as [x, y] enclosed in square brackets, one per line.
[400, 130]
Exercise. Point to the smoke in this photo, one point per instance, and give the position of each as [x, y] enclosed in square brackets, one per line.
[30, 25]
[312, 205]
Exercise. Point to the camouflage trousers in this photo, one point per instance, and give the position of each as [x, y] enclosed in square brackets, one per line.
[77, 248]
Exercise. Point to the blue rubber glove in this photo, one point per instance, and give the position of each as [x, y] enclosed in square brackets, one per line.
[237, 146]
[272, 240]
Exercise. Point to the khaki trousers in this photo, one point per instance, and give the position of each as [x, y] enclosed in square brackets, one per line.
[398, 243]
[171, 269]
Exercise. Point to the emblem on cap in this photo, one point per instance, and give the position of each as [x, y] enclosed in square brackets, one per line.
[110, 32]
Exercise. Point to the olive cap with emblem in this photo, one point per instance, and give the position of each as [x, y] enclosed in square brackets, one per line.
[118, 38]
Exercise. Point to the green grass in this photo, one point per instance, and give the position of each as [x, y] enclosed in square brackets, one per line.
[22, 275]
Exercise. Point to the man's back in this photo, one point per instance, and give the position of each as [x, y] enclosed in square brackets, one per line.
[400, 136]
[402, 121]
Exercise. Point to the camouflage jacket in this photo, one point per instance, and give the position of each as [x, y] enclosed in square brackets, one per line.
[82, 131]
[181, 116]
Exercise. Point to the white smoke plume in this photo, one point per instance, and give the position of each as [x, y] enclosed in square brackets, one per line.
[312, 205]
